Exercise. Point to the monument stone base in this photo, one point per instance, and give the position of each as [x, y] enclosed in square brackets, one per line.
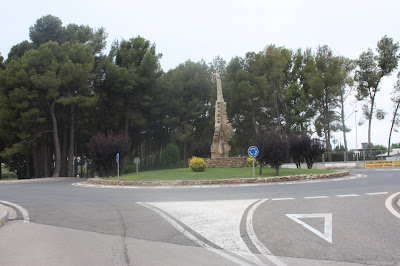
[227, 162]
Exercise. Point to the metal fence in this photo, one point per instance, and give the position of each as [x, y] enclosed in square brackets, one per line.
[340, 156]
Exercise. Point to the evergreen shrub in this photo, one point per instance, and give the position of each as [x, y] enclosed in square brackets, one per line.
[171, 156]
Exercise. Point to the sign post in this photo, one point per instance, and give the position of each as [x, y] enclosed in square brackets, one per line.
[253, 152]
[364, 145]
[117, 159]
[137, 161]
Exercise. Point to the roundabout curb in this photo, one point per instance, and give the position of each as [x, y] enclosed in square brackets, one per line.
[233, 182]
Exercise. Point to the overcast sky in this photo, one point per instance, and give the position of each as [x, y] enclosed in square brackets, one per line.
[196, 30]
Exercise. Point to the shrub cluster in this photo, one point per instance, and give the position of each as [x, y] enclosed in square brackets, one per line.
[197, 164]
[250, 162]
[9, 175]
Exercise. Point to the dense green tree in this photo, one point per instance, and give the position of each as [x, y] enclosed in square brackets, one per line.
[187, 99]
[18, 50]
[21, 118]
[277, 66]
[47, 28]
[2, 66]
[325, 82]
[345, 90]
[371, 69]
[245, 93]
[298, 112]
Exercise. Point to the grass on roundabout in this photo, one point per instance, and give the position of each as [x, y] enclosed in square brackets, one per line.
[213, 174]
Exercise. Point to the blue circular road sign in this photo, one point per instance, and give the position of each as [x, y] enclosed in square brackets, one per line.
[253, 151]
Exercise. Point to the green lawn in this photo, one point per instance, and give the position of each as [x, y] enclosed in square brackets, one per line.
[212, 173]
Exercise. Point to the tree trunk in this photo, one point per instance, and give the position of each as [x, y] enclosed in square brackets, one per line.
[28, 167]
[346, 153]
[63, 170]
[56, 172]
[1, 160]
[76, 159]
[127, 119]
[392, 126]
[45, 160]
[276, 171]
[255, 123]
[184, 155]
[70, 167]
[369, 127]
[277, 113]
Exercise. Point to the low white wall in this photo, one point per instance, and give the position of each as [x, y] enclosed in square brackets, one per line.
[328, 165]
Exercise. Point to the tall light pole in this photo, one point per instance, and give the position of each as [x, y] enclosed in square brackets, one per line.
[355, 118]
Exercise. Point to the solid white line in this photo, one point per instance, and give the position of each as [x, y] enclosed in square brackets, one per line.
[192, 237]
[376, 193]
[24, 212]
[253, 237]
[282, 199]
[317, 197]
[347, 195]
[388, 204]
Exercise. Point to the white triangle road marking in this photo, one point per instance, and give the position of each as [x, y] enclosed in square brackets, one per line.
[327, 234]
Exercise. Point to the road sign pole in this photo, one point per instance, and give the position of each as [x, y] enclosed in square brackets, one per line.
[253, 152]
[254, 171]
[117, 159]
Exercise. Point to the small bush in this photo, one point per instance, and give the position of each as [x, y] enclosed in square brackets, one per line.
[9, 175]
[197, 164]
[250, 162]
[130, 167]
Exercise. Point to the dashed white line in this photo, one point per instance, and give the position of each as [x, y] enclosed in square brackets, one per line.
[282, 199]
[347, 195]
[376, 193]
[317, 197]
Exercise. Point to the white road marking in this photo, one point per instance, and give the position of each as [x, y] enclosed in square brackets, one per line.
[253, 237]
[217, 221]
[376, 193]
[327, 235]
[388, 204]
[24, 212]
[282, 199]
[192, 237]
[347, 195]
[317, 197]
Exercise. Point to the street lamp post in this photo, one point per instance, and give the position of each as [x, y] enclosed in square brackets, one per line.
[355, 118]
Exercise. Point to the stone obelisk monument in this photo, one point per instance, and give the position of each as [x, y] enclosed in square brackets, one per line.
[223, 131]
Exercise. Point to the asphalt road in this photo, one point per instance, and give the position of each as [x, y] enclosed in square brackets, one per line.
[330, 222]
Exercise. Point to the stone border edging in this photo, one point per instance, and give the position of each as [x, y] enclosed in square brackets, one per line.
[100, 181]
